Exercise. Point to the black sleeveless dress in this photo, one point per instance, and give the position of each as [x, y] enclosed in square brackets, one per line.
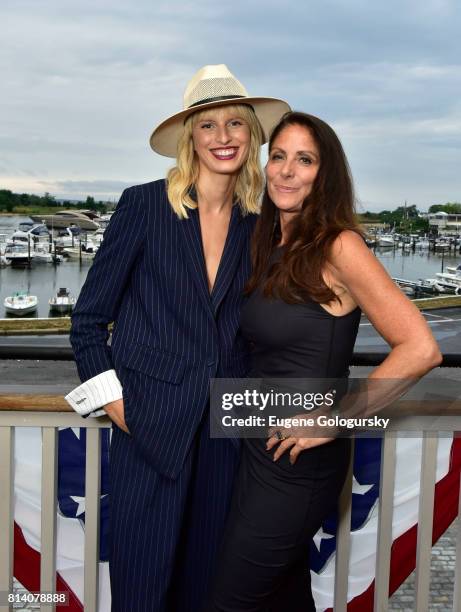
[276, 507]
[297, 340]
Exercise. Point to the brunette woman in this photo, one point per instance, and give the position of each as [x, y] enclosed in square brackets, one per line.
[313, 275]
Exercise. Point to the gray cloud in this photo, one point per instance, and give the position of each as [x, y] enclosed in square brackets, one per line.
[99, 189]
[85, 84]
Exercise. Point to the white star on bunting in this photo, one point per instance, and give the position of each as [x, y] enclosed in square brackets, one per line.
[359, 489]
[81, 504]
[319, 536]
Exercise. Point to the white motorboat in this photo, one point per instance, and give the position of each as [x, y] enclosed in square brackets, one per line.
[42, 254]
[18, 254]
[62, 302]
[451, 280]
[68, 237]
[29, 231]
[21, 303]
[385, 240]
[442, 245]
[84, 250]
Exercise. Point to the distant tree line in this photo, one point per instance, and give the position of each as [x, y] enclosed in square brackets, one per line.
[403, 217]
[9, 201]
[449, 207]
[407, 218]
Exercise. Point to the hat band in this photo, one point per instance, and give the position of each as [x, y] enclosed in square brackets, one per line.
[217, 99]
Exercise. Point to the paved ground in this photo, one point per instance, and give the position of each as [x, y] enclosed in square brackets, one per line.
[445, 324]
[443, 561]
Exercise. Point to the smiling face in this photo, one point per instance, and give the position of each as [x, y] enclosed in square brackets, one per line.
[221, 141]
[293, 165]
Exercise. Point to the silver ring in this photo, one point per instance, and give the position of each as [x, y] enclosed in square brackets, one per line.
[279, 435]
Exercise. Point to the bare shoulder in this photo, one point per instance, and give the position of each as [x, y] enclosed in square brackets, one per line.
[350, 257]
[348, 245]
[351, 261]
[365, 282]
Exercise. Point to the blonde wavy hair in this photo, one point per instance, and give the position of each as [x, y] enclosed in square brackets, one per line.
[184, 175]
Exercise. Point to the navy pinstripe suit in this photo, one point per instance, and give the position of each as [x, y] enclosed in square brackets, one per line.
[170, 484]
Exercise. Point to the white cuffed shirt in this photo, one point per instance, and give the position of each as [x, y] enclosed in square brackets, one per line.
[89, 398]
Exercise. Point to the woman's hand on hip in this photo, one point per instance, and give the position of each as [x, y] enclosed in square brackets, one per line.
[298, 437]
[297, 445]
[116, 412]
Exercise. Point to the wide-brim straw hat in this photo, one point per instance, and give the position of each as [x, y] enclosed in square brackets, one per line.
[214, 86]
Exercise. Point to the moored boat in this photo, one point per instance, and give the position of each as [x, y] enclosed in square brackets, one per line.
[42, 254]
[421, 286]
[62, 302]
[81, 251]
[451, 280]
[29, 231]
[20, 303]
[18, 254]
[385, 240]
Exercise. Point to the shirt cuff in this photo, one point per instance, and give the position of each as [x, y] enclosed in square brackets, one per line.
[93, 394]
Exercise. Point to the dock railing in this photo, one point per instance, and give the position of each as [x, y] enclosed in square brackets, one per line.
[50, 411]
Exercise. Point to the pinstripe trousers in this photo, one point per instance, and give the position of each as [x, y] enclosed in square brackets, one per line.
[164, 532]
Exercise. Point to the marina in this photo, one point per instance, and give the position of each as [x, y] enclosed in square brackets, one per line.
[41, 261]
[44, 263]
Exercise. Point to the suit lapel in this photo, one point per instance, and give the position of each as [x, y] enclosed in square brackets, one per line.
[229, 259]
[192, 249]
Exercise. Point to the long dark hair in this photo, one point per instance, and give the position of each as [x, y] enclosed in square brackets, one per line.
[326, 212]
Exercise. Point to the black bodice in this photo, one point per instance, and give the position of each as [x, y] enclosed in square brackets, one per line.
[297, 340]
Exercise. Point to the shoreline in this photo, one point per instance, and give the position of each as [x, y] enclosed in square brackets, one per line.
[61, 325]
[35, 326]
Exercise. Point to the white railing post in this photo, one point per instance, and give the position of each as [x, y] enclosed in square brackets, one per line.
[49, 506]
[425, 519]
[92, 497]
[384, 535]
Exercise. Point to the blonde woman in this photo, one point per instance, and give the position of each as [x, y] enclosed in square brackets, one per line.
[170, 275]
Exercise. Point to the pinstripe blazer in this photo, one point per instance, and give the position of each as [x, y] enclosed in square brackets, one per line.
[170, 335]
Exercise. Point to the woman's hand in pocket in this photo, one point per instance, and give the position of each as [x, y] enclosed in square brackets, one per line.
[116, 412]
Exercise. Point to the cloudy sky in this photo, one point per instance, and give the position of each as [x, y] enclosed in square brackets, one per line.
[84, 83]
